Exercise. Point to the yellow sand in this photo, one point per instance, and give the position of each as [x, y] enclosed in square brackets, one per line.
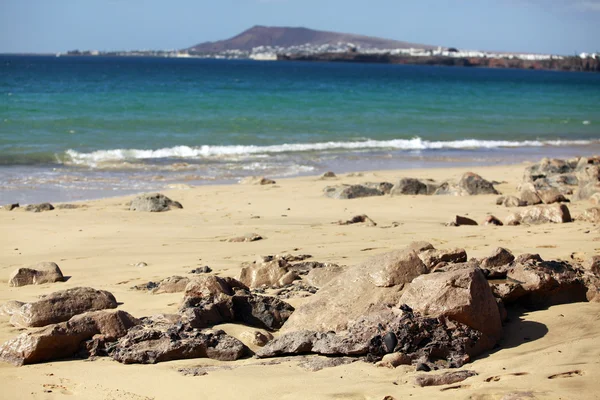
[99, 245]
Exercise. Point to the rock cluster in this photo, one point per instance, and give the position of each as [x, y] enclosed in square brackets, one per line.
[470, 184]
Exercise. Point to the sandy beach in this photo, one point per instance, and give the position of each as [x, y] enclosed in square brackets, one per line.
[545, 354]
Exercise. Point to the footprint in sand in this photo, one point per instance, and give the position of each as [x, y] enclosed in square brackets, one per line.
[569, 374]
[499, 377]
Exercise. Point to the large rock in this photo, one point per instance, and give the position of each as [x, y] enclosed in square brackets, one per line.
[556, 213]
[551, 196]
[529, 196]
[588, 176]
[473, 184]
[395, 268]
[152, 342]
[153, 202]
[351, 191]
[358, 290]
[463, 296]
[61, 306]
[44, 272]
[67, 338]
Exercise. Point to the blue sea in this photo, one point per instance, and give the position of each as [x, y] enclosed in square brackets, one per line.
[74, 128]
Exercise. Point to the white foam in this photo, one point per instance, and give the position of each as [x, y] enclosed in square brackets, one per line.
[187, 152]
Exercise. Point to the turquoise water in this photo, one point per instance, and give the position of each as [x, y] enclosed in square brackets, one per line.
[82, 127]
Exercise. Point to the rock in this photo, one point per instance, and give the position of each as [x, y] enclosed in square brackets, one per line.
[173, 284]
[491, 220]
[329, 175]
[593, 265]
[61, 306]
[592, 215]
[358, 219]
[351, 191]
[512, 201]
[383, 187]
[213, 300]
[153, 202]
[394, 268]
[595, 199]
[257, 338]
[432, 257]
[140, 264]
[316, 363]
[44, 272]
[547, 283]
[153, 343]
[66, 339]
[250, 237]
[10, 307]
[509, 292]
[10, 207]
[321, 276]
[420, 246]
[450, 344]
[556, 213]
[447, 378]
[500, 200]
[530, 197]
[500, 257]
[39, 207]
[552, 196]
[473, 184]
[270, 274]
[201, 270]
[257, 180]
[394, 360]
[411, 186]
[463, 296]
[588, 177]
[70, 206]
[457, 220]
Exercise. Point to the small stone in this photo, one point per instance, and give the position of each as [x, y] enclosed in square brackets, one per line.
[394, 360]
[447, 378]
[491, 220]
[250, 237]
[201, 270]
[460, 221]
[357, 220]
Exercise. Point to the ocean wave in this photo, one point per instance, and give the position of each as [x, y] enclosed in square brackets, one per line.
[206, 151]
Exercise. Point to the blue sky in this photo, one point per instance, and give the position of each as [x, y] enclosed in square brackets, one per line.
[542, 26]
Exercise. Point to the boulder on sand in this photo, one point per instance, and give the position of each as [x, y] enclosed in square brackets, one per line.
[44, 272]
[473, 184]
[153, 202]
[351, 191]
[67, 338]
[462, 295]
[556, 213]
[61, 306]
[274, 274]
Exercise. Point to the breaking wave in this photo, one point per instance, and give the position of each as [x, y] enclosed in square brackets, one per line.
[200, 152]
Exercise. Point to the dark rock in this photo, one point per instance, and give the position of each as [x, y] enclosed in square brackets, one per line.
[474, 184]
[383, 187]
[447, 378]
[10, 207]
[329, 175]
[61, 306]
[153, 343]
[39, 207]
[500, 257]
[44, 272]
[411, 186]
[153, 202]
[491, 220]
[358, 219]
[457, 220]
[66, 339]
[201, 270]
[351, 191]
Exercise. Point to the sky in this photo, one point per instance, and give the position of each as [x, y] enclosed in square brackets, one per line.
[535, 26]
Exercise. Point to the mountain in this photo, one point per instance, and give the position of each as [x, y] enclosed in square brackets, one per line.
[287, 37]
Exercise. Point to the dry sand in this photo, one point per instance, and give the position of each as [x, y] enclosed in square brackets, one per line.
[99, 245]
